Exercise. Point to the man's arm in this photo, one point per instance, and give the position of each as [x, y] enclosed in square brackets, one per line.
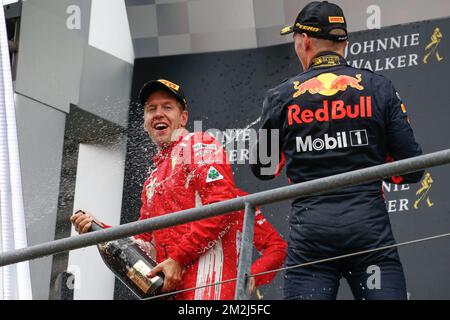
[401, 143]
[82, 221]
[266, 159]
[271, 246]
[171, 269]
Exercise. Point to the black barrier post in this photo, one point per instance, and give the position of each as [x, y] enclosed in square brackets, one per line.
[245, 254]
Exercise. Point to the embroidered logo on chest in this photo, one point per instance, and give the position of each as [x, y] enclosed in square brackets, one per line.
[213, 175]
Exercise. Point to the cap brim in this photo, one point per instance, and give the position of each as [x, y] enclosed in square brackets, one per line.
[287, 30]
[152, 86]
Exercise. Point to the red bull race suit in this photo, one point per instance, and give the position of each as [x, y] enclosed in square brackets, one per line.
[332, 119]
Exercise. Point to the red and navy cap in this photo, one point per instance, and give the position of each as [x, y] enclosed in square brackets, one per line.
[317, 19]
[162, 85]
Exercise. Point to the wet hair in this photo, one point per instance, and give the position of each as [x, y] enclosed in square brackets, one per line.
[331, 45]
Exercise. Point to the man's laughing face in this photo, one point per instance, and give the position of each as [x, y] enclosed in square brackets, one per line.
[163, 116]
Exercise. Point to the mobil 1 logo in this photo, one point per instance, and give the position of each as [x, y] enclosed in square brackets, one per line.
[358, 138]
[343, 139]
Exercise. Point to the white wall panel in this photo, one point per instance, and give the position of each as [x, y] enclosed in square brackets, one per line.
[98, 189]
[109, 30]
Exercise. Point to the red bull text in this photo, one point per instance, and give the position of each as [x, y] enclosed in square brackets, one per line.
[338, 111]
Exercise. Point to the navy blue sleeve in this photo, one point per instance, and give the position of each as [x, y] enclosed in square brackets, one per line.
[269, 121]
[401, 143]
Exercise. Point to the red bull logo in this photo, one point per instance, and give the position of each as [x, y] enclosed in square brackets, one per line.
[337, 111]
[327, 84]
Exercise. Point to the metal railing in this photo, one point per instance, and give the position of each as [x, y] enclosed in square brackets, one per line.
[248, 202]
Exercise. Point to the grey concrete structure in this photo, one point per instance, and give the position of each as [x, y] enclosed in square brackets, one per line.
[41, 155]
[58, 67]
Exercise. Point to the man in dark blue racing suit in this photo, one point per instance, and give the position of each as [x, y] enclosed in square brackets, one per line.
[333, 118]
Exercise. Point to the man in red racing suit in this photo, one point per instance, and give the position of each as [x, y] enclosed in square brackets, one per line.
[207, 249]
[191, 170]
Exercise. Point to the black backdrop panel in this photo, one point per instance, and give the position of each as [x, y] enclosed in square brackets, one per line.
[225, 91]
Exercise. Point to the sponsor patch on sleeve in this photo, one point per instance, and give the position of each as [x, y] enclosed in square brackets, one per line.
[403, 107]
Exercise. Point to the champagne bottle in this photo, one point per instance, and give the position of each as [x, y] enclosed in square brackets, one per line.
[130, 264]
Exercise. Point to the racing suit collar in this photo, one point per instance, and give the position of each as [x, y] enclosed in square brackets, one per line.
[327, 59]
[166, 151]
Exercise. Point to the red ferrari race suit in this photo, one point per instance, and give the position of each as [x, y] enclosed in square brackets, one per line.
[192, 172]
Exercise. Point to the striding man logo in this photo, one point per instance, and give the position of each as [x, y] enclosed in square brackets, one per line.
[424, 191]
[432, 48]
